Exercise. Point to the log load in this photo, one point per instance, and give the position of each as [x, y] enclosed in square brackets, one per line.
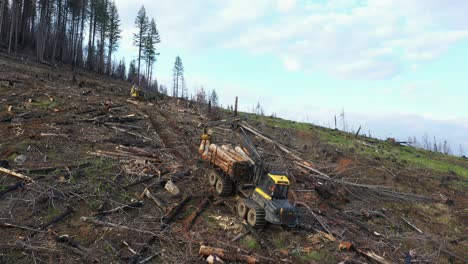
[226, 158]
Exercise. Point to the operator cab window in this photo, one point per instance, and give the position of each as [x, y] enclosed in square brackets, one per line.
[281, 192]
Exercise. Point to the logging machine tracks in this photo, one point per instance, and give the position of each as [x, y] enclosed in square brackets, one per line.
[167, 131]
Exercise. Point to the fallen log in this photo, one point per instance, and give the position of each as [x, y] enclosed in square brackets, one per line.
[53, 135]
[191, 219]
[53, 168]
[239, 236]
[439, 246]
[116, 226]
[142, 250]
[278, 145]
[159, 204]
[130, 133]
[146, 179]
[48, 64]
[175, 210]
[16, 174]
[122, 156]
[371, 255]
[207, 251]
[11, 188]
[21, 227]
[123, 207]
[318, 218]
[58, 218]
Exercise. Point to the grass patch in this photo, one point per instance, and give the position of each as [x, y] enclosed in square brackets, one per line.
[382, 150]
[320, 256]
[250, 243]
[280, 240]
[47, 104]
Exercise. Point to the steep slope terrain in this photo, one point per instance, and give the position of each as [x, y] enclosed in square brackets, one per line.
[99, 164]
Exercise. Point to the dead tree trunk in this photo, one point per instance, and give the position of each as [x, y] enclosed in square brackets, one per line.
[2, 5]
[13, 15]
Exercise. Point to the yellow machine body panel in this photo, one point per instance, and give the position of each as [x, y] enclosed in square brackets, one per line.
[279, 179]
[262, 193]
[135, 92]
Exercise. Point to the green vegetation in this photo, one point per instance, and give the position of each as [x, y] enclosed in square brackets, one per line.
[47, 104]
[372, 148]
[250, 243]
[321, 256]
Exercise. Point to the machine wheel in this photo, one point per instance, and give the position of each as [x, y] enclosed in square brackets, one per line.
[212, 178]
[242, 209]
[256, 217]
[223, 186]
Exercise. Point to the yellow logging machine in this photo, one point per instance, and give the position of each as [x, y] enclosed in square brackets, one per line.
[264, 194]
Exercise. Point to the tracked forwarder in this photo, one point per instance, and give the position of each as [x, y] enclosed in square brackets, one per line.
[240, 170]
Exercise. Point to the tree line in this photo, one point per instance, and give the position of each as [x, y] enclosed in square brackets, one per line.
[55, 30]
[86, 34]
[80, 33]
[441, 146]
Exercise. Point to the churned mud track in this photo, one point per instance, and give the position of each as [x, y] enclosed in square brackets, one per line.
[169, 132]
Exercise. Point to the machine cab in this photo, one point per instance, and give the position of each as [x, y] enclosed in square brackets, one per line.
[274, 186]
[272, 195]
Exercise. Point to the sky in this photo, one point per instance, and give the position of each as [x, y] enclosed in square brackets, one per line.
[398, 68]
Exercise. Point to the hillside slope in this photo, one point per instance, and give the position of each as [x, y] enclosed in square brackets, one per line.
[89, 150]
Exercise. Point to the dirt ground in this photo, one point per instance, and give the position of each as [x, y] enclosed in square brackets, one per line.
[90, 150]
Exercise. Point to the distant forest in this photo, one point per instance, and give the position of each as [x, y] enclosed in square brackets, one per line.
[80, 33]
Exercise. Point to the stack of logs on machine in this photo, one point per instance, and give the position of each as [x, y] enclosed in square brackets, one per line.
[233, 161]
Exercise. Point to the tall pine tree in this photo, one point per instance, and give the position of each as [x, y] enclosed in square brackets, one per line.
[113, 34]
[141, 23]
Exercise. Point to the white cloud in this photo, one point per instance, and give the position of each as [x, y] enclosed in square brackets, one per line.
[286, 5]
[347, 38]
[291, 64]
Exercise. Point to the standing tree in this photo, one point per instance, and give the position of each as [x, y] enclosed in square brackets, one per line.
[113, 33]
[2, 11]
[103, 23]
[149, 50]
[178, 76]
[141, 23]
[200, 96]
[214, 98]
[132, 72]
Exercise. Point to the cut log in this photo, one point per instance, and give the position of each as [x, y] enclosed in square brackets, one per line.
[191, 219]
[58, 218]
[175, 210]
[219, 153]
[116, 226]
[146, 179]
[233, 154]
[201, 149]
[244, 154]
[53, 168]
[371, 255]
[123, 207]
[16, 174]
[160, 205]
[206, 251]
[53, 135]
